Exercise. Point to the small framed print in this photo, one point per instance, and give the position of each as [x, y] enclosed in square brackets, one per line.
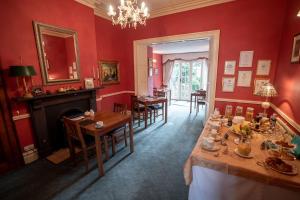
[244, 78]
[258, 83]
[246, 58]
[228, 84]
[230, 67]
[89, 83]
[263, 67]
[296, 49]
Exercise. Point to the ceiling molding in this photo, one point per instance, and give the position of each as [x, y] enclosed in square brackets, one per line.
[169, 9]
[190, 5]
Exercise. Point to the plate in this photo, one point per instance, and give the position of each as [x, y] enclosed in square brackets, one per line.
[236, 151]
[293, 172]
[215, 148]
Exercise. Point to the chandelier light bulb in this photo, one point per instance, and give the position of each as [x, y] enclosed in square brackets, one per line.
[129, 14]
[122, 3]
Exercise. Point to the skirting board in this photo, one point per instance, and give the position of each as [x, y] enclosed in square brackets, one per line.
[27, 115]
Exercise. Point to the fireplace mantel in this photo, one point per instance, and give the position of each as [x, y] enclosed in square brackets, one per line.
[46, 111]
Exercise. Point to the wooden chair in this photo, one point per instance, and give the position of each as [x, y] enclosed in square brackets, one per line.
[117, 134]
[74, 133]
[201, 99]
[138, 111]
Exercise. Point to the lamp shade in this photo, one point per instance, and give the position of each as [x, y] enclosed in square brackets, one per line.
[21, 71]
[267, 90]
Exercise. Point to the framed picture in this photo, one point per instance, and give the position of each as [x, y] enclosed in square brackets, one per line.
[230, 67]
[246, 58]
[150, 62]
[296, 49]
[244, 78]
[258, 83]
[156, 71]
[228, 84]
[89, 83]
[263, 67]
[109, 72]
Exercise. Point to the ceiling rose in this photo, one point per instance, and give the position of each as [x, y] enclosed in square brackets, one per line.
[129, 14]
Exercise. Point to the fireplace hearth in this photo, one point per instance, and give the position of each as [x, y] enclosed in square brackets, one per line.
[47, 113]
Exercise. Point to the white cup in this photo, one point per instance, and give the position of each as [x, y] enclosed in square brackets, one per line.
[99, 123]
[214, 133]
[208, 142]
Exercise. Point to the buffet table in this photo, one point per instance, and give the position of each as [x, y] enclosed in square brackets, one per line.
[225, 175]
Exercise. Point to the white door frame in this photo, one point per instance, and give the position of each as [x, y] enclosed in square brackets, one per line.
[141, 62]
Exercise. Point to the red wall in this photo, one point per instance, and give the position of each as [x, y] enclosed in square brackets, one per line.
[17, 39]
[244, 25]
[287, 79]
[110, 46]
[157, 79]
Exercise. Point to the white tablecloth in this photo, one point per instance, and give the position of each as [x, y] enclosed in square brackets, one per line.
[209, 184]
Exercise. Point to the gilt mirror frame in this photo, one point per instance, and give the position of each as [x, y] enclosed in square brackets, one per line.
[38, 27]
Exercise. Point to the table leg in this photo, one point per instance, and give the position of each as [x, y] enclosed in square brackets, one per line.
[166, 112]
[131, 137]
[162, 111]
[146, 116]
[191, 103]
[99, 155]
[195, 102]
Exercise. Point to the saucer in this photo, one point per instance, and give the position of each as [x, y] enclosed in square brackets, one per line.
[236, 151]
[97, 126]
[215, 148]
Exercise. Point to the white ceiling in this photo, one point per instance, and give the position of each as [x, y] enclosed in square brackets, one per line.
[187, 46]
[157, 7]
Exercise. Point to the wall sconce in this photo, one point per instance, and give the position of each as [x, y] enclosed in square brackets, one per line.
[298, 15]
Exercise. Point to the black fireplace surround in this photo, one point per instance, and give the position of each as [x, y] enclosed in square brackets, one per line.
[47, 112]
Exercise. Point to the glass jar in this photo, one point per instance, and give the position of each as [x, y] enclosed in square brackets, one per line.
[239, 111]
[249, 114]
[228, 111]
[244, 147]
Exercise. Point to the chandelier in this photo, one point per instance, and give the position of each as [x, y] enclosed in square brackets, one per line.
[129, 14]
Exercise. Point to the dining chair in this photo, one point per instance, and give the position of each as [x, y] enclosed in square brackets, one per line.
[138, 111]
[117, 135]
[75, 136]
[201, 99]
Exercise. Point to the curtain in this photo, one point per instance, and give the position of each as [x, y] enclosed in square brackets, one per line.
[168, 69]
[204, 74]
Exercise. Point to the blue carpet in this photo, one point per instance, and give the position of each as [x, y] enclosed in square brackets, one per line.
[152, 172]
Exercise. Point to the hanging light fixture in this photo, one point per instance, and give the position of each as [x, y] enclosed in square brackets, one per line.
[129, 14]
[298, 15]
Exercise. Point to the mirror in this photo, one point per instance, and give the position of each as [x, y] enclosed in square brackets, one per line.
[58, 53]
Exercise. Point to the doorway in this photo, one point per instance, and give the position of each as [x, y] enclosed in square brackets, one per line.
[188, 77]
[141, 62]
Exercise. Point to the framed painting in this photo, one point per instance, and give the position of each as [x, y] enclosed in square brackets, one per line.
[109, 72]
[244, 78]
[296, 49]
[258, 83]
[228, 84]
[263, 67]
[89, 83]
[230, 67]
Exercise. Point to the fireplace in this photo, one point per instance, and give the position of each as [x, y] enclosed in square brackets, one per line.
[47, 112]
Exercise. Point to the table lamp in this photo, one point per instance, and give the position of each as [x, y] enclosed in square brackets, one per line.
[22, 71]
[267, 90]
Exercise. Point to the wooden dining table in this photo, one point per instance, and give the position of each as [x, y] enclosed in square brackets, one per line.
[111, 121]
[195, 95]
[148, 101]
